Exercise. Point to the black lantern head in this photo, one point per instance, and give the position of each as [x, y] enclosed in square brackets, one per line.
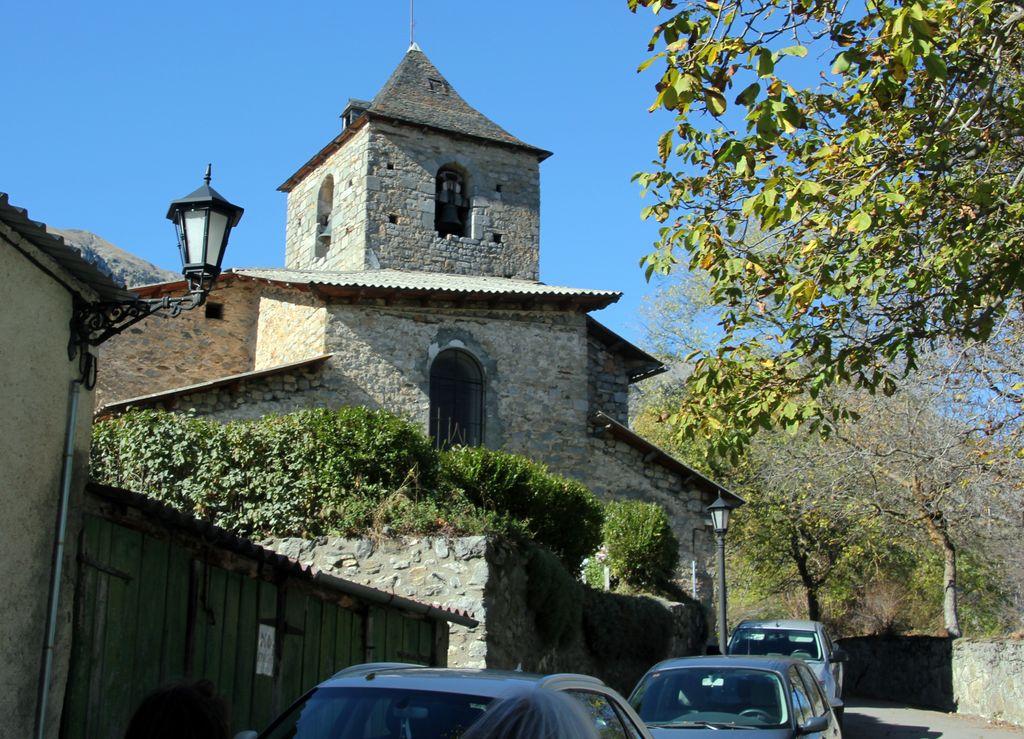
[720, 511]
[203, 220]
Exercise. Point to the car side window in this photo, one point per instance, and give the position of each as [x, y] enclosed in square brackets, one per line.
[606, 719]
[813, 690]
[801, 703]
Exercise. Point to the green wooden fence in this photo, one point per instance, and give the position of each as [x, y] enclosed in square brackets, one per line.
[150, 610]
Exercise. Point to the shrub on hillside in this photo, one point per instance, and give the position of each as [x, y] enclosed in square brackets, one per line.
[309, 473]
[642, 550]
[559, 513]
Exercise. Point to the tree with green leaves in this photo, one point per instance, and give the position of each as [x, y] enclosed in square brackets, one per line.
[851, 179]
[926, 469]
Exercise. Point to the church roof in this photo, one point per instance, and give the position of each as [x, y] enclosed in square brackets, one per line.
[382, 282]
[417, 93]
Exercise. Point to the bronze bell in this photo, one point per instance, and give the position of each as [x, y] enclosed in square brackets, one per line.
[450, 221]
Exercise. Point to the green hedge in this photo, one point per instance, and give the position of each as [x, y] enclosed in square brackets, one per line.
[560, 513]
[643, 551]
[343, 472]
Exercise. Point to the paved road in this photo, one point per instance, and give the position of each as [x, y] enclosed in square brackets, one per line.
[870, 719]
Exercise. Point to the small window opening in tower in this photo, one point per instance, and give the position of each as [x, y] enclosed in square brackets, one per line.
[215, 311]
[392, 219]
[390, 165]
[497, 188]
[496, 238]
[324, 206]
[451, 207]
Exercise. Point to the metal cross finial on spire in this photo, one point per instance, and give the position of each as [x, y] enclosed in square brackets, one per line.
[206, 177]
[412, 24]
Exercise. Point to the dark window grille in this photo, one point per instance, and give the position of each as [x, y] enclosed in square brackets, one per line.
[456, 400]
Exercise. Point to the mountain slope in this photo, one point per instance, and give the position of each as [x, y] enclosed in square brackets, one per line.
[123, 266]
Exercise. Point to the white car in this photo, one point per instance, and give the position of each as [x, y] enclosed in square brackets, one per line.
[806, 640]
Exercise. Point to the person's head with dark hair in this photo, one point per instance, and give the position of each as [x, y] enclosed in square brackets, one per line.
[533, 714]
[185, 710]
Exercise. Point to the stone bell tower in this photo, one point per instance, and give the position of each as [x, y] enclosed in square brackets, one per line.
[417, 180]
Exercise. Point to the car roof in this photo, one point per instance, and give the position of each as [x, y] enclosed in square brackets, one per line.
[789, 623]
[487, 683]
[741, 661]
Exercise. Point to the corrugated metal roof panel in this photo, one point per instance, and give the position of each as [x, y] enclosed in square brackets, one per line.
[422, 281]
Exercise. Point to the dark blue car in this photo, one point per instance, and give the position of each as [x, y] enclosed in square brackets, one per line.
[770, 697]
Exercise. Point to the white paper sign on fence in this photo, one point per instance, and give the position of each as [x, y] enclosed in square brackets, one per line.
[265, 651]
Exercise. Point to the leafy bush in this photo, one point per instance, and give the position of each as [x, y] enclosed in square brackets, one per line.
[340, 472]
[309, 473]
[559, 513]
[618, 627]
[553, 596]
[642, 550]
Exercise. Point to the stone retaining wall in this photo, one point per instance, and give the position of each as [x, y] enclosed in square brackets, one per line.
[981, 678]
[487, 577]
[988, 679]
[904, 669]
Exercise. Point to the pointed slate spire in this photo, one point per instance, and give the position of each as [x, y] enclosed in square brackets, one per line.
[418, 93]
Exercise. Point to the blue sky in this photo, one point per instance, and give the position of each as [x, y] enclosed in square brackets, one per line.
[112, 109]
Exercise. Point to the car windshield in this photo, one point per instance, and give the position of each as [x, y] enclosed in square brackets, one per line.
[776, 643]
[379, 713]
[719, 696]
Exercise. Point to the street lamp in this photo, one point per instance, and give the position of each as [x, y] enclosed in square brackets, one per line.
[203, 221]
[720, 511]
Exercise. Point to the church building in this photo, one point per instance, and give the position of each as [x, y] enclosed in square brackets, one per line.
[411, 283]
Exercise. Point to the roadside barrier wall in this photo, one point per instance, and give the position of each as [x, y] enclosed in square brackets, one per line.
[613, 637]
[977, 677]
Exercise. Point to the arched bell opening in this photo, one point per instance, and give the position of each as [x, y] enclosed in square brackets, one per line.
[451, 206]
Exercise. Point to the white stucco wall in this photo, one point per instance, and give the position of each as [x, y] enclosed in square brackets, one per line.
[35, 376]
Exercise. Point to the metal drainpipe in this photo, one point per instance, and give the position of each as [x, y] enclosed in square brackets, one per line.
[57, 568]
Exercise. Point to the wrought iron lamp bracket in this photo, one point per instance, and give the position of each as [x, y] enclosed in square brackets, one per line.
[94, 323]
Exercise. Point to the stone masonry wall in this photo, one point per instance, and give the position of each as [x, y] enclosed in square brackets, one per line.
[347, 249]
[488, 578]
[988, 678]
[250, 398]
[977, 677]
[540, 388]
[617, 471]
[534, 365]
[902, 669]
[607, 382]
[162, 353]
[291, 327]
[504, 188]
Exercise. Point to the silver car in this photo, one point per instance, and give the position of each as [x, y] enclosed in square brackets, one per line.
[806, 640]
[400, 701]
[769, 697]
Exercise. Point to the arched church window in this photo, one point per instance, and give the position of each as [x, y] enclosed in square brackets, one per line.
[456, 400]
[451, 208]
[324, 205]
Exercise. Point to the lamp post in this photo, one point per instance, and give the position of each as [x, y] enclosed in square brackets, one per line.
[720, 511]
[203, 220]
